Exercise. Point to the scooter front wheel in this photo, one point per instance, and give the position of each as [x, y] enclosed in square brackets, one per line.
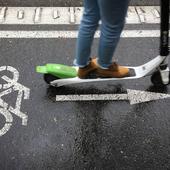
[156, 79]
[48, 78]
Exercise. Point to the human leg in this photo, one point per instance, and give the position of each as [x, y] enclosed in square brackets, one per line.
[113, 13]
[88, 26]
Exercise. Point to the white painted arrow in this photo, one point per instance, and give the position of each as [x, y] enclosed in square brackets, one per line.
[137, 96]
[134, 97]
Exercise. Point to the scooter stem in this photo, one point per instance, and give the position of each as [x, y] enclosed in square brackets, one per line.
[164, 38]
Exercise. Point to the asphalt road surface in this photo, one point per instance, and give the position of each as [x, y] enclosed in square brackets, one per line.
[42, 134]
[61, 3]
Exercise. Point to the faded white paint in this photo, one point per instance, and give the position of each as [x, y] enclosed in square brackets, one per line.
[134, 97]
[137, 96]
[56, 14]
[10, 86]
[73, 34]
[8, 118]
[141, 14]
[132, 16]
[91, 97]
[20, 14]
[38, 13]
[15, 76]
[70, 15]
[3, 14]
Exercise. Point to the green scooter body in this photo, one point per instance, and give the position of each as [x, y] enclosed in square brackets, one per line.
[59, 70]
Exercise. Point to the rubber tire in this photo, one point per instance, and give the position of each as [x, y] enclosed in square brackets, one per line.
[48, 78]
[157, 80]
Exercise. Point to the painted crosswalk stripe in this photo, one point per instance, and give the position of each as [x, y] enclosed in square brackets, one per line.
[70, 15]
[73, 34]
[2, 14]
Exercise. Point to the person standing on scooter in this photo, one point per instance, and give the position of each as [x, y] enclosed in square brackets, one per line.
[112, 14]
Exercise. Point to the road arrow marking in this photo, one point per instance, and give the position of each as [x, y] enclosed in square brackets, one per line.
[137, 96]
[133, 96]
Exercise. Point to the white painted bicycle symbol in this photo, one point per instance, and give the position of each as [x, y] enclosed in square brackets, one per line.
[10, 86]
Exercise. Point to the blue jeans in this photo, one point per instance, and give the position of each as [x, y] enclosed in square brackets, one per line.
[112, 14]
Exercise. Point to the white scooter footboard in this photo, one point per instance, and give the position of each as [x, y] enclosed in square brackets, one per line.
[137, 72]
[149, 67]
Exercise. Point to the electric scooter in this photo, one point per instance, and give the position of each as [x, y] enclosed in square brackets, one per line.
[59, 75]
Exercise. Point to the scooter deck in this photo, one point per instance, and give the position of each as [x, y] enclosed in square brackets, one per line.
[135, 73]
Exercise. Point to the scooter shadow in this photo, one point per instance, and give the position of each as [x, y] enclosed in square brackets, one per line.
[79, 90]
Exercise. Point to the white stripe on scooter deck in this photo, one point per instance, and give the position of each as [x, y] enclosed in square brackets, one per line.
[73, 34]
[70, 15]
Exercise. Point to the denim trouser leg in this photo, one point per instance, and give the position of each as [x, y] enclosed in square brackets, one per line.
[112, 14]
[88, 26]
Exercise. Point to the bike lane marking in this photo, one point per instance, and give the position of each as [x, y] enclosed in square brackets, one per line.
[6, 110]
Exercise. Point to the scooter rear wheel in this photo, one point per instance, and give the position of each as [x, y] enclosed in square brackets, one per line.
[48, 78]
[157, 80]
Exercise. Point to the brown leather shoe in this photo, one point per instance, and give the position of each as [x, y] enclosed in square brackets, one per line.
[114, 71]
[85, 71]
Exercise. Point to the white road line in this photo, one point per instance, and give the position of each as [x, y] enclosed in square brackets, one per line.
[70, 15]
[91, 97]
[20, 14]
[56, 14]
[38, 13]
[2, 14]
[73, 34]
[134, 97]
[141, 14]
